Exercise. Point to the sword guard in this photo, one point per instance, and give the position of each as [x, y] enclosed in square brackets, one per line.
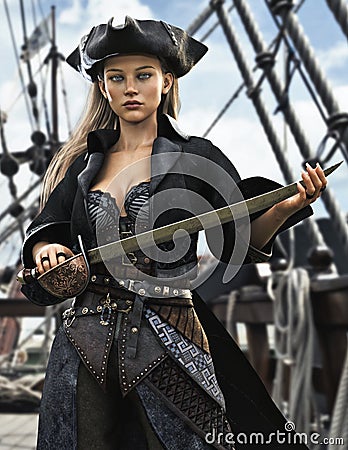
[68, 279]
[65, 280]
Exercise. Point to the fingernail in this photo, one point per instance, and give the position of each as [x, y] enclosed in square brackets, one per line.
[308, 165]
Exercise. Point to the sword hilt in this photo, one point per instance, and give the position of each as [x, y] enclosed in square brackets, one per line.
[27, 276]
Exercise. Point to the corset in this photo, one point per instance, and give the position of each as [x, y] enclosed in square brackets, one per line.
[105, 214]
[109, 226]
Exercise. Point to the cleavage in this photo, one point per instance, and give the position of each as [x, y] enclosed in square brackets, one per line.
[126, 197]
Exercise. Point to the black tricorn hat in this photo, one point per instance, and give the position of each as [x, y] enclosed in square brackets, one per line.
[171, 44]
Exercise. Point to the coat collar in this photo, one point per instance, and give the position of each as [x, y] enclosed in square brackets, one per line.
[167, 142]
[101, 140]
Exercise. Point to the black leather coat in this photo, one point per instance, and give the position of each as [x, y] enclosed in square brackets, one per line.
[65, 215]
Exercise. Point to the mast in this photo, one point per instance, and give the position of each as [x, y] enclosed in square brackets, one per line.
[54, 67]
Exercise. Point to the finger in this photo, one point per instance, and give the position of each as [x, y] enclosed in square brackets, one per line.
[309, 186]
[61, 255]
[314, 177]
[322, 177]
[301, 192]
[40, 269]
[52, 253]
[45, 261]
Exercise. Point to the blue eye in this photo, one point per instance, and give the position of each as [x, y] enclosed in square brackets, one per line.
[116, 78]
[144, 76]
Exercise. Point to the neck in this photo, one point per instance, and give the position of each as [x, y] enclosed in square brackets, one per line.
[134, 136]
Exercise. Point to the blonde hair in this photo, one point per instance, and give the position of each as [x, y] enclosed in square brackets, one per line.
[98, 114]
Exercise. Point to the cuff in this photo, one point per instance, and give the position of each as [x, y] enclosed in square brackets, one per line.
[51, 232]
[255, 255]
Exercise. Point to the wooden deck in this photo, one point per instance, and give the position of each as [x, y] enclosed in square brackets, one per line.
[18, 431]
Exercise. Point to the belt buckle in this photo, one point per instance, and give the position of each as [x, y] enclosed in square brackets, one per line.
[69, 316]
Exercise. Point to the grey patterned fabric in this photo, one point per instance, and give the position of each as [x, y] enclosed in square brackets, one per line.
[197, 363]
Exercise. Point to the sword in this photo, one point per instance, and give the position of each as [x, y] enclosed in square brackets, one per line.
[147, 239]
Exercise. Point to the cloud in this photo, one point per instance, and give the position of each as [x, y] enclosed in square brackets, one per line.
[334, 57]
[72, 15]
[91, 12]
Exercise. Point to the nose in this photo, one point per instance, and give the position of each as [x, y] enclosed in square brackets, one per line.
[130, 88]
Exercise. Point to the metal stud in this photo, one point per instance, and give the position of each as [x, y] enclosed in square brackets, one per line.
[93, 278]
[157, 289]
[106, 280]
[134, 330]
[121, 283]
[84, 310]
[142, 291]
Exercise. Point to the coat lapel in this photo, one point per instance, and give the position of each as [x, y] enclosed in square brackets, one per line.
[95, 161]
[165, 154]
[98, 142]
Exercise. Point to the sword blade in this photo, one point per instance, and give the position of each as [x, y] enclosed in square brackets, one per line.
[200, 222]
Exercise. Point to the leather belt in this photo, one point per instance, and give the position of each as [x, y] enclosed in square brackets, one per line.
[124, 306]
[144, 288]
[147, 289]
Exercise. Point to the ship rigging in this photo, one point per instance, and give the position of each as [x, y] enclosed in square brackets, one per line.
[303, 294]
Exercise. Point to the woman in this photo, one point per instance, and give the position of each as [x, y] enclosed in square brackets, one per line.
[155, 371]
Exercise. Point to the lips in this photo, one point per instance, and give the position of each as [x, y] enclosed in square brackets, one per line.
[132, 103]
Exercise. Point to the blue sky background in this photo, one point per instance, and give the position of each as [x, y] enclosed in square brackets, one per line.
[203, 92]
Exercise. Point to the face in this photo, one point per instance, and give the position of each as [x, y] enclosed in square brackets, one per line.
[133, 85]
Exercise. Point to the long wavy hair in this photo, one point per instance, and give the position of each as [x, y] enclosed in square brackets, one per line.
[97, 114]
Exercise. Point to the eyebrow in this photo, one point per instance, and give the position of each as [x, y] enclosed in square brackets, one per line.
[137, 69]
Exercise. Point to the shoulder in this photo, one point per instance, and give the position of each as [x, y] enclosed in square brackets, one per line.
[205, 148]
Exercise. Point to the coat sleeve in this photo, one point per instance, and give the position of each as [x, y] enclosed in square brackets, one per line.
[239, 189]
[52, 224]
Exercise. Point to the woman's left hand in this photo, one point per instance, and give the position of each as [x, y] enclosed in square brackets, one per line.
[314, 183]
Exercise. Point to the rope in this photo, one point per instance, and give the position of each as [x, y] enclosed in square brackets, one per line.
[65, 99]
[339, 428]
[200, 20]
[313, 68]
[32, 86]
[214, 27]
[231, 303]
[328, 198]
[313, 229]
[224, 109]
[309, 59]
[294, 346]
[340, 11]
[20, 390]
[14, 44]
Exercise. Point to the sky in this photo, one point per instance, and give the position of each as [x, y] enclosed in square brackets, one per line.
[204, 91]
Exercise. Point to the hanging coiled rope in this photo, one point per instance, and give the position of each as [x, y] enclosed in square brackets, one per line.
[294, 347]
[260, 48]
[339, 422]
[339, 9]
